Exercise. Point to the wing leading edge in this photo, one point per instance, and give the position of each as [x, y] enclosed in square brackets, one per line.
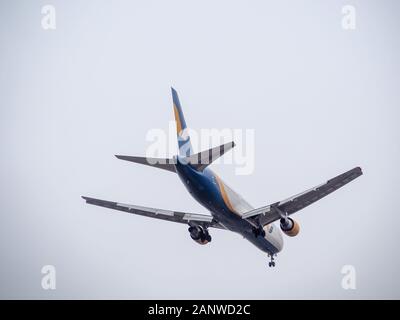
[272, 212]
[169, 215]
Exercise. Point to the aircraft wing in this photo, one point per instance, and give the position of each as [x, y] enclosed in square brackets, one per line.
[273, 212]
[174, 216]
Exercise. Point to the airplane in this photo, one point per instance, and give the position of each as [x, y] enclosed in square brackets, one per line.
[228, 209]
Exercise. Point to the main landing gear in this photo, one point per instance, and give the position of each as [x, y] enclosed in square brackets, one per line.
[259, 232]
[272, 262]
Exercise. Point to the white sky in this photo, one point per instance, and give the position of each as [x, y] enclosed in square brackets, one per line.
[320, 99]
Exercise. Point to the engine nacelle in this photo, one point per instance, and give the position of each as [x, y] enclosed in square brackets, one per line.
[199, 234]
[290, 227]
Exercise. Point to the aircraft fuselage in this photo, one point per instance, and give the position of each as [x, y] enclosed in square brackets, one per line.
[209, 190]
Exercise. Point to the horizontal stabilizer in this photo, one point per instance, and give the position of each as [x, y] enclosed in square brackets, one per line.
[202, 159]
[160, 163]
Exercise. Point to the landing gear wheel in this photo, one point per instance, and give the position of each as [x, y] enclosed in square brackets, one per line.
[259, 232]
[272, 262]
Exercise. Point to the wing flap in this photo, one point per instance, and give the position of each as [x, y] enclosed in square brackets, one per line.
[304, 199]
[168, 215]
[293, 204]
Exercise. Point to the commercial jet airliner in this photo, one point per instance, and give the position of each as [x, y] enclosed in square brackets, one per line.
[228, 209]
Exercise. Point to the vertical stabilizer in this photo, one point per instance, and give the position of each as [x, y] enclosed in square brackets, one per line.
[184, 145]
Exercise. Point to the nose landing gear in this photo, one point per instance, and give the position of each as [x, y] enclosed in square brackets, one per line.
[272, 262]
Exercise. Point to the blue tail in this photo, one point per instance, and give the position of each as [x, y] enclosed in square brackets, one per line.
[184, 144]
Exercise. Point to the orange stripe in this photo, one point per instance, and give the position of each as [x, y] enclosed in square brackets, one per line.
[178, 121]
[224, 194]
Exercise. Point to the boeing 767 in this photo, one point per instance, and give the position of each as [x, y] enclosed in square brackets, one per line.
[228, 209]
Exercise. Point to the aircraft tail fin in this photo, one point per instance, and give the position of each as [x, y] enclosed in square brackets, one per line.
[184, 144]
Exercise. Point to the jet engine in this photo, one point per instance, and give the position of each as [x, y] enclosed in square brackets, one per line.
[290, 227]
[199, 234]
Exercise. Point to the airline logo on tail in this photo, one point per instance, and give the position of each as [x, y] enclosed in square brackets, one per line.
[184, 144]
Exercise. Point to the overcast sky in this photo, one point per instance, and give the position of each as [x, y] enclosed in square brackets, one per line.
[320, 99]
